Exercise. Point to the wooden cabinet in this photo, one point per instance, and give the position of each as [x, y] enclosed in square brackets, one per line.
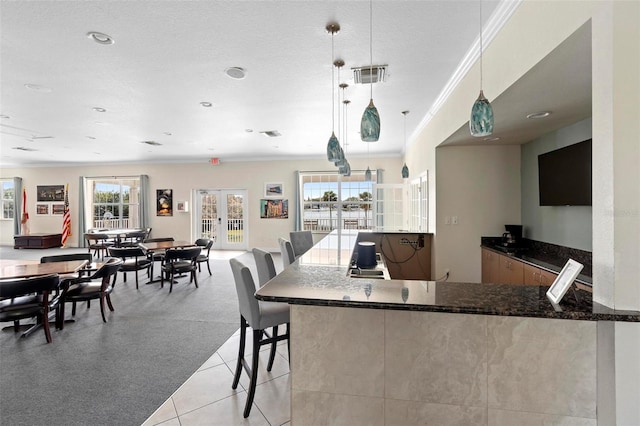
[537, 276]
[490, 266]
[37, 241]
[511, 270]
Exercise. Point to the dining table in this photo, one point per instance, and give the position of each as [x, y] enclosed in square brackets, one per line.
[24, 268]
[163, 246]
[15, 269]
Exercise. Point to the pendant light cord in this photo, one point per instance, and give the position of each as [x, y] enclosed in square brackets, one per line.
[333, 99]
[480, 44]
[371, 49]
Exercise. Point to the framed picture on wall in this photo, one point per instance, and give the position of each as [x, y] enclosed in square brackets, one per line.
[273, 190]
[57, 209]
[182, 206]
[274, 209]
[50, 193]
[164, 202]
[43, 209]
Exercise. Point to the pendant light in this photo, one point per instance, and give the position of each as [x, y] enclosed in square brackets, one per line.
[333, 146]
[405, 169]
[342, 160]
[346, 169]
[481, 121]
[370, 123]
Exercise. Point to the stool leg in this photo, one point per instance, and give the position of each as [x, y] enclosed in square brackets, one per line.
[243, 337]
[257, 336]
[272, 353]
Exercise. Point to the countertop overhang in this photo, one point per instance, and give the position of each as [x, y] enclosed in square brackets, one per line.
[320, 278]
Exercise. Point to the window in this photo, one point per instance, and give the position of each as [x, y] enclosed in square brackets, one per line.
[115, 202]
[330, 200]
[8, 199]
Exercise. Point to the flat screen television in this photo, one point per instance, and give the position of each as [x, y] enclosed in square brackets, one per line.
[564, 176]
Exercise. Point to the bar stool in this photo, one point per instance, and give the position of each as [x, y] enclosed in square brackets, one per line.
[301, 241]
[287, 252]
[265, 266]
[259, 316]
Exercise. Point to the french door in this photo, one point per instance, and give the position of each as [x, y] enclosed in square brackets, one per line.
[220, 214]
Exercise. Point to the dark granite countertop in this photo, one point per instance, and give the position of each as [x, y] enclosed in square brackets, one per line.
[320, 279]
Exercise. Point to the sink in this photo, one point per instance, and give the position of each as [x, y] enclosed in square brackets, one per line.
[366, 273]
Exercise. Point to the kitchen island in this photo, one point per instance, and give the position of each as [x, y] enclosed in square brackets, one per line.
[373, 351]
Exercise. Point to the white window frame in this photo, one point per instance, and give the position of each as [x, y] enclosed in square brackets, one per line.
[106, 222]
[6, 201]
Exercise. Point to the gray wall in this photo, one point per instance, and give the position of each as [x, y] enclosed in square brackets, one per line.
[563, 225]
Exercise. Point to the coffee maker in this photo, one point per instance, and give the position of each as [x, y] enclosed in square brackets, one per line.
[513, 236]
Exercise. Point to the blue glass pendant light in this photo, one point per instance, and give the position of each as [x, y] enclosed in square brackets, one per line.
[405, 169]
[367, 175]
[345, 169]
[481, 120]
[370, 123]
[333, 146]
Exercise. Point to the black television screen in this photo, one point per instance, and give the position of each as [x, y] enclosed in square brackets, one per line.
[564, 176]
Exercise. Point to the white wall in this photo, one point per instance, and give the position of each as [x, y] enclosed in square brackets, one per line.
[568, 226]
[481, 186]
[182, 179]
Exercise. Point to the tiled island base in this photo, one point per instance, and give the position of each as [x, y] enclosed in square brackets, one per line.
[385, 367]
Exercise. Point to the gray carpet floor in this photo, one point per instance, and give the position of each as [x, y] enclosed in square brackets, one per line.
[119, 372]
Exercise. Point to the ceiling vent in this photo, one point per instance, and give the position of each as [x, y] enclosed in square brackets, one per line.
[24, 148]
[152, 143]
[271, 133]
[370, 74]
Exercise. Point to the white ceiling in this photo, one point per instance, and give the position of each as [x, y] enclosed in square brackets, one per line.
[169, 56]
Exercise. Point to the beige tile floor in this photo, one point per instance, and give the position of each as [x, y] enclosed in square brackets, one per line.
[206, 398]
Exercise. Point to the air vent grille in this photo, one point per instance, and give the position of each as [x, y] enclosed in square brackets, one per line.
[271, 133]
[152, 143]
[370, 74]
[24, 148]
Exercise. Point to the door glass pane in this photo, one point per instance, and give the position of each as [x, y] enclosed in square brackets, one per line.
[235, 218]
[209, 216]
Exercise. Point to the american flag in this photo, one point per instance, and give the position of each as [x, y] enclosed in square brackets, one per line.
[66, 218]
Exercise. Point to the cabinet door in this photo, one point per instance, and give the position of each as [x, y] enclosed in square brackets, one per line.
[511, 271]
[531, 275]
[547, 278]
[490, 267]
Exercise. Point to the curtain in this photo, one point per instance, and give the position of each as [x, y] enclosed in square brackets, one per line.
[298, 203]
[144, 201]
[82, 212]
[17, 204]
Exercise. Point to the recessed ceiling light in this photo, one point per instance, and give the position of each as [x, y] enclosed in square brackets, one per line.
[91, 137]
[248, 130]
[168, 133]
[206, 104]
[37, 88]
[100, 38]
[237, 73]
[99, 109]
[539, 114]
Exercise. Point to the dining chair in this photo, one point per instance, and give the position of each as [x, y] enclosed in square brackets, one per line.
[180, 261]
[98, 243]
[97, 286]
[133, 238]
[68, 258]
[264, 264]
[259, 316]
[288, 257]
[301, 241]
[156, 255]
[134, 259]
[29, 297]
[205, 244]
